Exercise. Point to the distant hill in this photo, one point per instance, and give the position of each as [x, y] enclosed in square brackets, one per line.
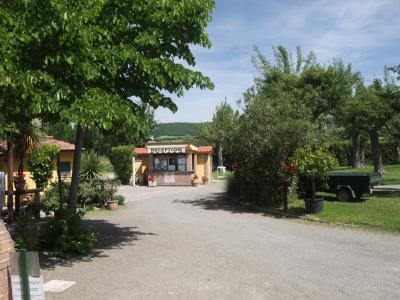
[178, 129]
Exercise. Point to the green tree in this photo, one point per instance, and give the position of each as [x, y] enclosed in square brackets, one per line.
[369, 110]
[393, 130]
[85, 60]
[219, 132]
[41, 164]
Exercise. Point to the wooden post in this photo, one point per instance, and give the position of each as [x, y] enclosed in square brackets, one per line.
[10, 173]
[134, 171]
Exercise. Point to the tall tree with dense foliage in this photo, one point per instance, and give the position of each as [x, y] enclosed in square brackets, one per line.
[275, 122]
[369, 110]
[85, 60]
[219, 132]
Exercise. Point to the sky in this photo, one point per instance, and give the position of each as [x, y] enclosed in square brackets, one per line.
[365, 33]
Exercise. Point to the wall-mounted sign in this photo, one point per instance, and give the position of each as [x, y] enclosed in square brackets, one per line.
[167, 149]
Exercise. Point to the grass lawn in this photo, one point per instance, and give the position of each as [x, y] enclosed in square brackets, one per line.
[380, 211]
[391, 175]
[215, 178]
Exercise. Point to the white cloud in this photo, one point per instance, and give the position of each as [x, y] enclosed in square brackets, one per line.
[365, 33]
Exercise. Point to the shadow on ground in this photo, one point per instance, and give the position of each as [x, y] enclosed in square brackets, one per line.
[109, 235]
[221, 201]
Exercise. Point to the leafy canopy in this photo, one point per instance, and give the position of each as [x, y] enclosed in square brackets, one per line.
[83, 61]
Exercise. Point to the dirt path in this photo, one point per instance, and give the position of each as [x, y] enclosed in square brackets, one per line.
[187, 243]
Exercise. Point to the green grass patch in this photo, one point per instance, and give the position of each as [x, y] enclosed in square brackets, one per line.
[380, 211]
[227, 174]
[391, 175]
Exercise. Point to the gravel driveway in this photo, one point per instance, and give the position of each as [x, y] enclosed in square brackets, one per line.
[188, 243]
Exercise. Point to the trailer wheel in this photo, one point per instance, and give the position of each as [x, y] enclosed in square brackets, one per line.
[359, 195]
[344, 195]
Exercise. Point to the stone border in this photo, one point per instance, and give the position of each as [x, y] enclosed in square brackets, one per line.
[6, 246]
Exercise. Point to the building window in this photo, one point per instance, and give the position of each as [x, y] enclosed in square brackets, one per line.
[65, 168]
[169, 163]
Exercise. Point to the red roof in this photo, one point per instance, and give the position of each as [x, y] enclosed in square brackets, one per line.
[61, 144]
[47, 140]
[141, 151]
[205, 149]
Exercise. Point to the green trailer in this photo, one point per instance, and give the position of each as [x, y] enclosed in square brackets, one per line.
[346, 186]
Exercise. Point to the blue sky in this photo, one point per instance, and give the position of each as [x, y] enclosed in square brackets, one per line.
[365, 33]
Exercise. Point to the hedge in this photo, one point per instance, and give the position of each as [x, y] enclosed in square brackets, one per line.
[343, 152]
[121, 159]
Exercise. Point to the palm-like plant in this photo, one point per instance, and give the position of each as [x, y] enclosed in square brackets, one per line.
[27, 139]
[94, 166]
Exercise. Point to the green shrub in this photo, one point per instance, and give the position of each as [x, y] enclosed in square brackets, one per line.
[51, 198]
[110, 188]
[26, 231]
[342, 150]
[40, 163]
[120, 199]
[96, 192]
[231, 184]
[67, 237]
[93, 166]
[91, 193]
[121, 159]
[389, 152]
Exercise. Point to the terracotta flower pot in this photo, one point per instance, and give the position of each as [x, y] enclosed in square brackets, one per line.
[19, 184]
[112, 204]
[195, 182]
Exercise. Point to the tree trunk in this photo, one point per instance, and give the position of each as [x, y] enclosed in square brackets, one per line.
[398, 153]
[286, 195]
[356, 140]
[313, 188]
[376, 150]
[73, 192]
[220, 157]
[21, 163]
[59, 181]
[10, 177]
[362, 156]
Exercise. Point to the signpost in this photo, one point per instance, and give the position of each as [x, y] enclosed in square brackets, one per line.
[26, 281]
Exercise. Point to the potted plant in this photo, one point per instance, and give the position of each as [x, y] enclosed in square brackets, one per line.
[312, 164]
[19, 181]
[204, 179]
[110, 188]
[195, 180]
[151, 181]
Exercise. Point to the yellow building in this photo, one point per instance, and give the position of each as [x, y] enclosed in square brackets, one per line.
[66, 159]
[173, 163]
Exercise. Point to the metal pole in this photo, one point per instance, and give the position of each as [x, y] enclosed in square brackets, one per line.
[25, 274]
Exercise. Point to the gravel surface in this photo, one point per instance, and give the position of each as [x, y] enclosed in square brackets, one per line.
[189, 243]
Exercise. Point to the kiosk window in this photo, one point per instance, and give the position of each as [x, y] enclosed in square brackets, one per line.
[161, 163]
[170, 163]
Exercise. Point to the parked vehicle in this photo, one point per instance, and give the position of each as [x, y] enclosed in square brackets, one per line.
[346, 186]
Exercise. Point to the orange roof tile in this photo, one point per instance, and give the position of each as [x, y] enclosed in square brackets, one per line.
[141, 151]
[205, 149]
[65, 146]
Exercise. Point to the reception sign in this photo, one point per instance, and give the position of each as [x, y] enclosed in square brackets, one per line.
[166, 149]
